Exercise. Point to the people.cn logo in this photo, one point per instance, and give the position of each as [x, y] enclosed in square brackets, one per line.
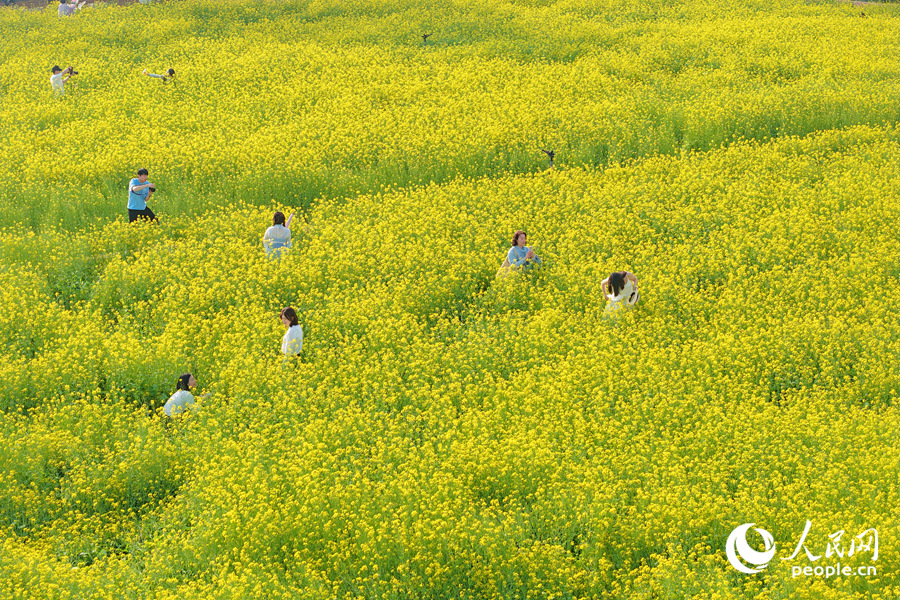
[737, 546]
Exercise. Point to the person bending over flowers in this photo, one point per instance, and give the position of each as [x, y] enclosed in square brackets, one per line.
[621, 289]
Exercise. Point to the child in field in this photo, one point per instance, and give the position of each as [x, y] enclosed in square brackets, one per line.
[621, 289]
[292, 342]
[182, 398]
[519, 255]
[277, 238]
[170, 74]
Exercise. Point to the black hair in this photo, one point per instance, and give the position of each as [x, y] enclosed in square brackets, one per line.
[516, 235]
[291, 315]
[278, 218]
[55, 68]
[616, 282]
[170, 72]
[182, 383]
[143, 172]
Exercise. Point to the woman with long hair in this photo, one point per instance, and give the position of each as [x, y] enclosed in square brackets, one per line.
[621, 289]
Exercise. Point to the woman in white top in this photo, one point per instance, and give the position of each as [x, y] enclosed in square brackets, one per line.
[277, 237]
[182, 398]
[292, 342]
[621, 289]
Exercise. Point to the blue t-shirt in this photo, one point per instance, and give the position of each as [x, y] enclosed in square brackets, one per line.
[137, 200]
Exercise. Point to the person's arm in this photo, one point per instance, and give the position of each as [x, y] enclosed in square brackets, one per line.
[604, 285]
[267, 241]
[288, 224]
[630, 276]
[137, 188]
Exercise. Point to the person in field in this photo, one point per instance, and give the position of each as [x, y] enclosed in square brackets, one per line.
[67, 9]
[292, 342]
[277, 238]
[170, 74]
[139, 192]
[182, 399]
[621, 289]
[59, 77]
[519, 255]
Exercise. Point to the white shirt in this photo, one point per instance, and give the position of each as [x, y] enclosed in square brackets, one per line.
[276, 239]
[177, 402]
[292, 342]
[623, 297]
[56, 80]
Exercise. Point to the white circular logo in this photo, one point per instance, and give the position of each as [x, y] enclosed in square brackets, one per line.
[737, 546]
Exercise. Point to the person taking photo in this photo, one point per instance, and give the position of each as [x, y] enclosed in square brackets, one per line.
[139, 192]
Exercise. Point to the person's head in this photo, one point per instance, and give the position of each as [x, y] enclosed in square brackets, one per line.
[56, 69]
[142, 175]
[519, 238]
[186, 382]
[278, 218]
[289, 317]
[616, 282]
[171, 72]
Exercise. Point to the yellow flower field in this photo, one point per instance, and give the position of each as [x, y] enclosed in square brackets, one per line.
[292, 101]
[448, 433]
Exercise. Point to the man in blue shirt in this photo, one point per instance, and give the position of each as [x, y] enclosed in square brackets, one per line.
[139, 191]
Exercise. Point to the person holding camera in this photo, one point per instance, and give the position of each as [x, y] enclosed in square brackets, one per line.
[59, 77]
[519, 254]
[277, 238]
[139, 192]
